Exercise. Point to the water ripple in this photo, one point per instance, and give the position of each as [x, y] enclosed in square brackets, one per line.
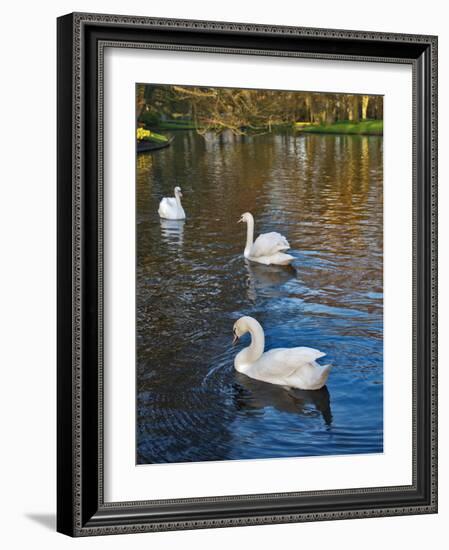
[324, 193]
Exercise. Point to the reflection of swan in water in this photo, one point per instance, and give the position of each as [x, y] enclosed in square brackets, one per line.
[172, 232]
[253, 394]
[261, 277]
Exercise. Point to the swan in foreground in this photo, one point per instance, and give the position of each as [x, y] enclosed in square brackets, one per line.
[288, 367]
[268, 248]
[170, 208]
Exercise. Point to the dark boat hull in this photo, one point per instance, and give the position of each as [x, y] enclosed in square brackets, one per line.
[145, 146]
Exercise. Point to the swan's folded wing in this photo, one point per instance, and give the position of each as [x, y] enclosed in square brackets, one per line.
[169, 201]
[308, 355]
[285, 361]
[166, 205]
[268, 244]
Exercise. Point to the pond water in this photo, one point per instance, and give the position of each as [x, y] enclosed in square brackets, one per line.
[324, 193]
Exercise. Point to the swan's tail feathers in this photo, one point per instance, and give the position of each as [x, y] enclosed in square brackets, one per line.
[285, 259]
[325, 370]
[162, 210]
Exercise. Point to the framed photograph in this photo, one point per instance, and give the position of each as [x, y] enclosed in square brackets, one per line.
[247, 280]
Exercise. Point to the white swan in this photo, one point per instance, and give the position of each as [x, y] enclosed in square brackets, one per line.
[170, 208]
[289, 367]
[268, 248]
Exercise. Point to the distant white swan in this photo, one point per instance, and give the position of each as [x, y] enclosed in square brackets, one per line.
[170, 208]
[268, 248]
[288, 367]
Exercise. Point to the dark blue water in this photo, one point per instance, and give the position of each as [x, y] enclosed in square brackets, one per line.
[324, 193]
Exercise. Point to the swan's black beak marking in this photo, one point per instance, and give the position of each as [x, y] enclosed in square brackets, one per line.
[236, 338]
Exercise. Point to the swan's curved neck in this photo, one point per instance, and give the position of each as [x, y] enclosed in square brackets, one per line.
[178, 198]
[255, 350]
[249, 235]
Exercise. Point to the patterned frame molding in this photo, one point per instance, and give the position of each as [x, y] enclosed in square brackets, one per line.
[81, 42]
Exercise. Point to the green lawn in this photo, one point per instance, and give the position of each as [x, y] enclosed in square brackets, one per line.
[159, 138]
[364, 127]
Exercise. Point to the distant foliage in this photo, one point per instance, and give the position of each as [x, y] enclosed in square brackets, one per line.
[243, 110]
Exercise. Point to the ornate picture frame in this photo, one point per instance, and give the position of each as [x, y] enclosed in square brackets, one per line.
[81, 507]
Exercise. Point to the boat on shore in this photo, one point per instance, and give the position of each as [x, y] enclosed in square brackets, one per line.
[144, 146]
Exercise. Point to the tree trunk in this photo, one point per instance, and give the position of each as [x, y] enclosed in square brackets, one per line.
[354, 109]
[309, 104]
[365, 102]
[330, 112]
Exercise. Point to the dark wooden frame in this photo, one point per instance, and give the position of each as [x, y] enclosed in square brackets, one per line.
[81, 508]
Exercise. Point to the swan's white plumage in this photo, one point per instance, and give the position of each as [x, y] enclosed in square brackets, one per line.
[268, 248]
[268, 244]
[290, 367]
[170, 208]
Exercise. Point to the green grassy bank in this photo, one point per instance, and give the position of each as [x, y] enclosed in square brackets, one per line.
[364, 127]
